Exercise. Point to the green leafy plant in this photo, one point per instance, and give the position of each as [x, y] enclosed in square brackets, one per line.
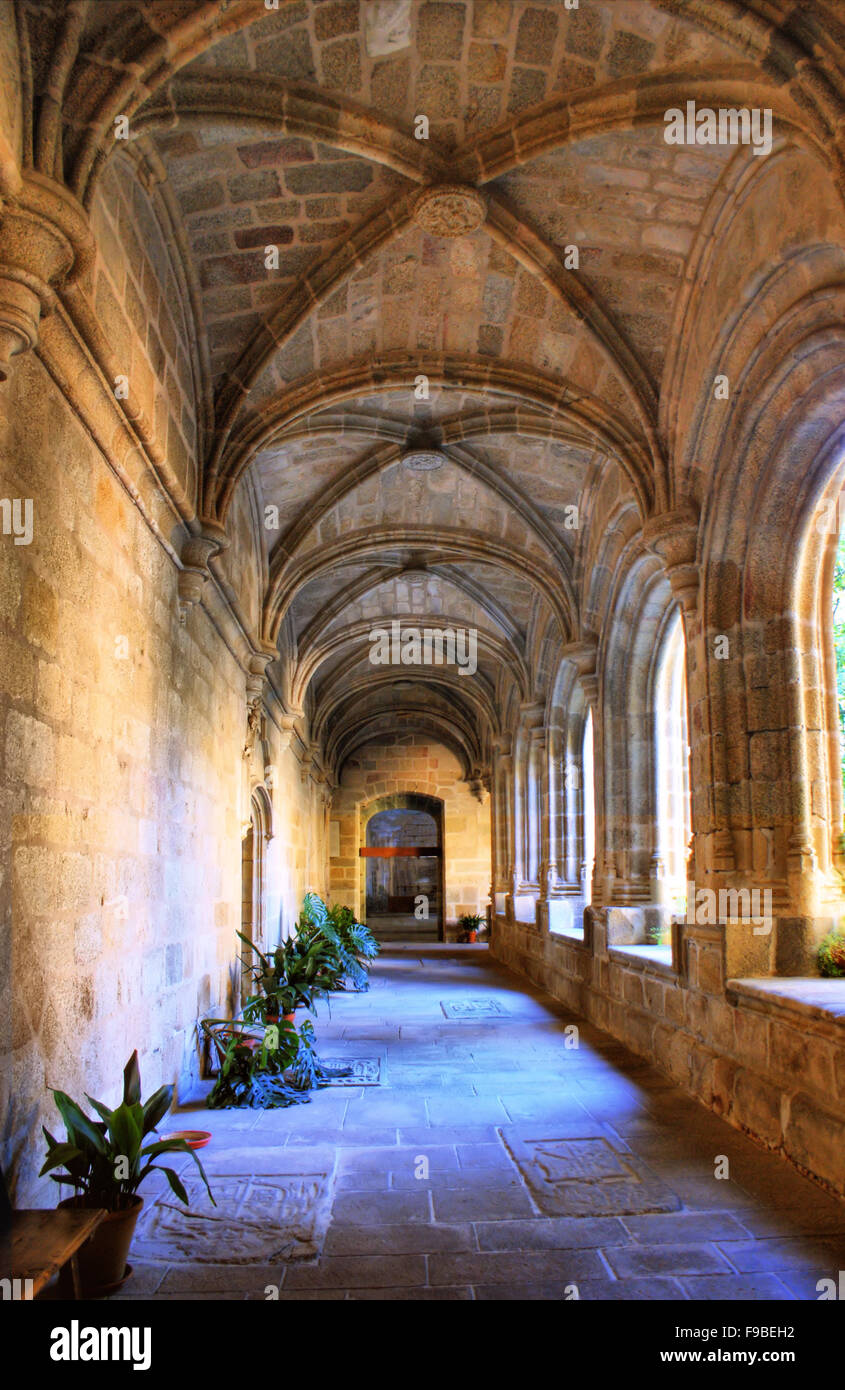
[252, 1071]
[350, 944]
[298, 972]
[308, 1070]
[831, 955]
[269, 1073]
[106, 1160]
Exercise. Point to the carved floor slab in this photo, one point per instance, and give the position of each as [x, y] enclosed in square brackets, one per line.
[474, 1008]
[587, 1177]
[257, 1220]
[366, 1071]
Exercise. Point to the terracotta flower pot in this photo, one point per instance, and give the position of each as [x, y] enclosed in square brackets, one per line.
[472, 936]
[288, 1018]
[102, 1259]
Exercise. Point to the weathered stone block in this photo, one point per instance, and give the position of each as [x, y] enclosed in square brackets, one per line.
[757, 1106]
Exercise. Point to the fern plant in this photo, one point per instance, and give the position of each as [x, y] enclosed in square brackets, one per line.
[351, 944]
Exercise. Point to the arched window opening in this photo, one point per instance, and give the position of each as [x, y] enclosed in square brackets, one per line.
[248, 880]
[672, 769]
[520, 813]
[588, 808]
[252, 880]
[839, 645]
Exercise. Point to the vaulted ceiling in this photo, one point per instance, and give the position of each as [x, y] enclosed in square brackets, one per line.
[347, 312]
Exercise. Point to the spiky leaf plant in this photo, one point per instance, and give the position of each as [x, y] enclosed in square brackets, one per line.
[106, 1160]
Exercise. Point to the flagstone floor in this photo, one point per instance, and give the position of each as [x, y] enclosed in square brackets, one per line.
[494, 1160]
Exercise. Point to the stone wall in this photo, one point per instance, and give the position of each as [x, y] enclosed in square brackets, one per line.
[410, 763]
[767, 1055]
[122, 739]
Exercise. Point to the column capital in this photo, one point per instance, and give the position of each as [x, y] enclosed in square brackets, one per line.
[583, 654]
[45, 242]
[479, 781]
[198, 548]
[673, 536]
[287, 725]
[532, 713]
[260, 658]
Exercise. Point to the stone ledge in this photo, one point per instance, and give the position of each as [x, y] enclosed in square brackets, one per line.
[572, 935]
[807, 997]
[648, 958]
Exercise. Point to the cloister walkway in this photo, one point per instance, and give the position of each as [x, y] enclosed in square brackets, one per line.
[493, 1159]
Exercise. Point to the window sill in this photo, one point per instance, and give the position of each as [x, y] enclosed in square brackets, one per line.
[807, 997]
[575, 934]
[643, 957]
[525, 910]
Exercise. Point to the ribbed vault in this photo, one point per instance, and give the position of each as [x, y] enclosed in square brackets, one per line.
[335, 328]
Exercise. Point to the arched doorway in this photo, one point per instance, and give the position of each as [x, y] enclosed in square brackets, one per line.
[253, 871]
[402, 867]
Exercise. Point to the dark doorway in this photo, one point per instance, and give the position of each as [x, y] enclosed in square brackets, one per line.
[402, 864]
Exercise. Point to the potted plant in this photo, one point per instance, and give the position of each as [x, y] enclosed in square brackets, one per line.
[252, 1072]
[298, 972]
[470, 924]
[276, 1071]
[106, 1161]
[350, 945]
[831, 955]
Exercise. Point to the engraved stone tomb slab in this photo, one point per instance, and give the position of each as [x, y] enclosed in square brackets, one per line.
[587, 1176]
[474, 1008]
[256, 1220]
[365, 1071]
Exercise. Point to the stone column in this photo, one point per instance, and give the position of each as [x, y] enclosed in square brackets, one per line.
[538, 845]
[531, 725]
[553, 882]
[530, 789]
[505, 762]
[732, 946]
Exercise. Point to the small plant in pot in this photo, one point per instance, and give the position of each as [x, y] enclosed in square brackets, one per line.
[470, 924]
[106, 1161]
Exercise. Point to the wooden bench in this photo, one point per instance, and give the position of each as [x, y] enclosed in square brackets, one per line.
[40, 1243]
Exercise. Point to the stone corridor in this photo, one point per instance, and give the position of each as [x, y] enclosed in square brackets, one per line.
[422, 486]
[550, 1166]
